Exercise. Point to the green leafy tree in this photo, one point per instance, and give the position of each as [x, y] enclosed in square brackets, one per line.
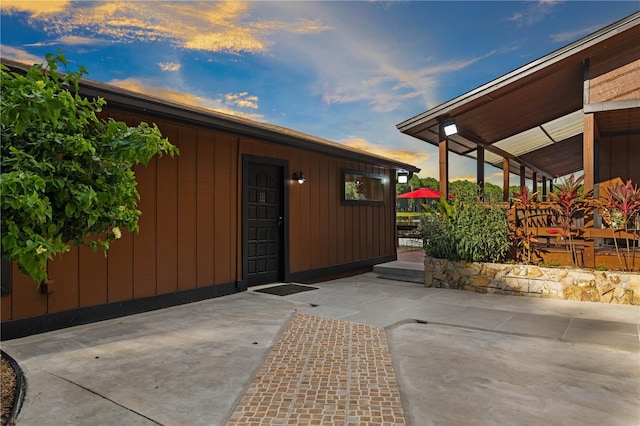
[492, 193]
[66, 175]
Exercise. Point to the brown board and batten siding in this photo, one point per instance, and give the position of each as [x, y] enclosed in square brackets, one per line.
[191, 227]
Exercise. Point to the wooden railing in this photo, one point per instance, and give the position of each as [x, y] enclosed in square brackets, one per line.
[595, 246]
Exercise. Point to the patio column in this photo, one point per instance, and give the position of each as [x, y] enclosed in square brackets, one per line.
[480, 171]
[589, 165]
[544, 188]
[505, 179]
[523, 177]
[444, 164]
[534, 184]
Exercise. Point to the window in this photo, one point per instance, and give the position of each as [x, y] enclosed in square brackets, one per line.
[362, 187]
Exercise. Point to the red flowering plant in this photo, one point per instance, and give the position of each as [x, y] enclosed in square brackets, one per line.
[567, 204]
[621, 212]
[524, 241]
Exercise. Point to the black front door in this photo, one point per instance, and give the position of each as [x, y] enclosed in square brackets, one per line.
[264, 223]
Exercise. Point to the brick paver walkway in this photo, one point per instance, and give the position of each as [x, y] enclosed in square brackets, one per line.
[324, 372]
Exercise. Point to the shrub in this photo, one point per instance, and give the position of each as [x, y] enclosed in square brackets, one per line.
[472, 231]
[482, 233]
[437, 237]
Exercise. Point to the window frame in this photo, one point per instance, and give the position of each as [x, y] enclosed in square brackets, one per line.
[381, 177]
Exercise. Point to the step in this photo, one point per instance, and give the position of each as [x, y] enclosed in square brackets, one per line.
[401, 271]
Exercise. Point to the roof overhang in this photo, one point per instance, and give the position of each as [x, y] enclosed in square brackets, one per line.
[188, 114]
[534, 115]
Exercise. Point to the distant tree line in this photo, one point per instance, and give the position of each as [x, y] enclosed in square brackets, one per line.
[461, 189]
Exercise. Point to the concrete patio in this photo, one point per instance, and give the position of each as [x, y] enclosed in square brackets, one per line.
[458, 358]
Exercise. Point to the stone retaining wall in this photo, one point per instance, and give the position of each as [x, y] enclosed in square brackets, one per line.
[536, 281]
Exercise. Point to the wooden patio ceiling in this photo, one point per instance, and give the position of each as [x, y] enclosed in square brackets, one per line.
[517, 115]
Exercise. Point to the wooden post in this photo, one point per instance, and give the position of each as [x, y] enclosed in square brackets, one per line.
[523, 177]
[480, 171]
[534, 184]
[544, 188]
[589, 156]
[505, 179]
[444, 164]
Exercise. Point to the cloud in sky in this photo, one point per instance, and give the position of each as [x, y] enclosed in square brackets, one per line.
[404, 156]
[533, 13]
[242, 100]
[169, 66]
[35, 8]
[569, 36]
[470, 178]
[71, 41]
[20, 55]
[173, 95]
[220, 26]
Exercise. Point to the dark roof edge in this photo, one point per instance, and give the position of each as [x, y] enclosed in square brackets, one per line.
[133, 101]
[534, 66]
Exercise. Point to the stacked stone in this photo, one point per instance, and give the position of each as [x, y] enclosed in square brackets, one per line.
[535, 281]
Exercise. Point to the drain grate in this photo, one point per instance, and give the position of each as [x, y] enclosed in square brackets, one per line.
[286, 289]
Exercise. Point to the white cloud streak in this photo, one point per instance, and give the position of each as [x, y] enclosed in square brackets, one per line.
[220, 26]
[569, 36]
[177, 96]
[533, 13]
[169, 66]
[405, 156]
[20, 55]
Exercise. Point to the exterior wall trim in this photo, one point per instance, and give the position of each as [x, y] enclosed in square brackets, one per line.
[315, 274]
[80, 316]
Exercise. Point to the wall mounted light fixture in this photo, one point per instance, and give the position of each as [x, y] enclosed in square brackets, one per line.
[299, 177]
[403, 177]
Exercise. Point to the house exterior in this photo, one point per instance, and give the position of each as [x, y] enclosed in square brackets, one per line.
[224, 215]
[575, 110]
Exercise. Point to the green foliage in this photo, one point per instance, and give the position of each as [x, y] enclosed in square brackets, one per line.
[438, 237]
[448, 210]
[464, 190]
[66, 174]
[472, 231]
[482, 233]
[492, 193]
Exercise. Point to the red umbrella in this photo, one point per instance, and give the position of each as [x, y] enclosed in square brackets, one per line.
[421, 193]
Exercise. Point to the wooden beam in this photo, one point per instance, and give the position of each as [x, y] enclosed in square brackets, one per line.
[589, 158]
[444, 164]
[586, 79]
[505, 179]
[479, 142]
[588, 146]
[480, 171]
[444, 169]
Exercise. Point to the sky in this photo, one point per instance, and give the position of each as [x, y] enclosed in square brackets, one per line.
[347, 71]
